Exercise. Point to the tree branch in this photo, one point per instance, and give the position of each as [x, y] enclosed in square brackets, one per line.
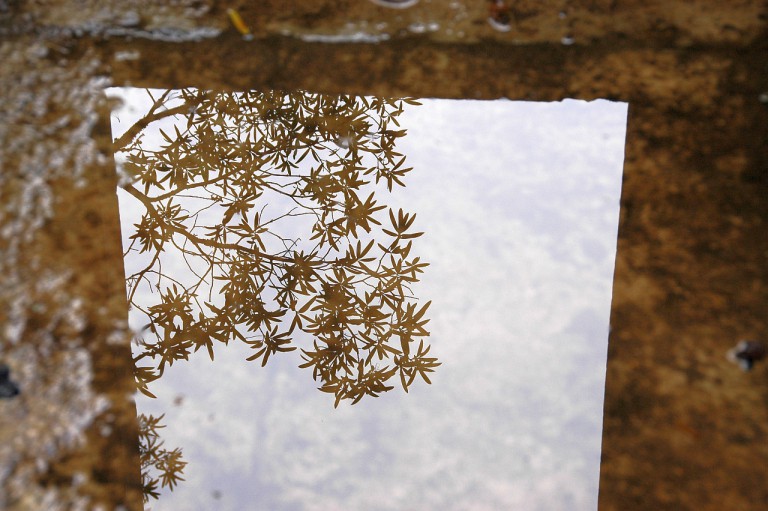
[121, 143]
[205, 242]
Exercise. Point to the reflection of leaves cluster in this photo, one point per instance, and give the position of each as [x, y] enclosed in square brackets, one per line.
[207, 190]
[154, 458]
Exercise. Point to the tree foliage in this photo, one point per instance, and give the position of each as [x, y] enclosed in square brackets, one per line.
[272, 200]
[159, 466]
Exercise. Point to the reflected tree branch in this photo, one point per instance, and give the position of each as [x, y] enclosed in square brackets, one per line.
[346, 286]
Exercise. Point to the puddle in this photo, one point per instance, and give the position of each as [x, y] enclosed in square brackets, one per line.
[518, 205]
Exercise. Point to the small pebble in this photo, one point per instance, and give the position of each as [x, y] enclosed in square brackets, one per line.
[746, 353]
[396, 4]
[129, 19]
[8, 389]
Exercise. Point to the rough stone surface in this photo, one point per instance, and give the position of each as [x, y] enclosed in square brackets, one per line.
[69, 440]
[683, 428]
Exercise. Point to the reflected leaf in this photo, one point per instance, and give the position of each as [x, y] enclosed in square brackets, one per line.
[271, 201]
[260, 194]
[159, 467]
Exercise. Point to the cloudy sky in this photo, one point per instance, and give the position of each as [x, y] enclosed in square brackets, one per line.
[519, 202]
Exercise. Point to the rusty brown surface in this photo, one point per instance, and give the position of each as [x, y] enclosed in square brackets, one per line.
[683, 428]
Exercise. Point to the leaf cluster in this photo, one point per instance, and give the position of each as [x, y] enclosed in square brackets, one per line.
[272, 199]
[159, 466]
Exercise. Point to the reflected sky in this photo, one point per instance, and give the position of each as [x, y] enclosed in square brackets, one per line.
[519, 203]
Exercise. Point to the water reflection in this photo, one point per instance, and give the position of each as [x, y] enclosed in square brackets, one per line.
[520, 205]
[271, 201]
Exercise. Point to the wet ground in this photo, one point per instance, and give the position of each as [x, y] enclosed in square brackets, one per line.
[690, 283]
[684, 427]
